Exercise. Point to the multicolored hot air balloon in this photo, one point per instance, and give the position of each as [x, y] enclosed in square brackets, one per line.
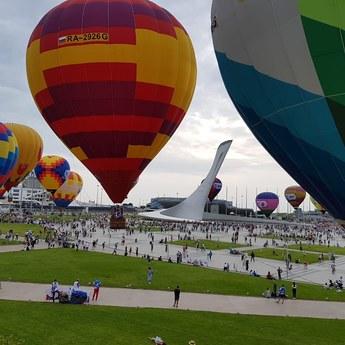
[295, 195]
[30, 152]
[114, 80]
[69, 190]
[8, 153]
[317, 205]
[215, 189]
[267, 202]
[283, 64]
[52, 172]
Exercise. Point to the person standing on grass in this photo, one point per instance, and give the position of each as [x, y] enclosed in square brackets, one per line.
[177, 293]
[149, 275]
[294, 290]
[96, 285]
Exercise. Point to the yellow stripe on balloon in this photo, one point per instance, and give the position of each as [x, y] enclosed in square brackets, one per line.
[148, 152]
[186, 77]
[4, 148]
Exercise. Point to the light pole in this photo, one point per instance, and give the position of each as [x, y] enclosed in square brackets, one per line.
[97, 196]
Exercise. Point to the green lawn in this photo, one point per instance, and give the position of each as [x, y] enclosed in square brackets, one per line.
[211, 245]
[280, 254]
[319, 249]
[4, 242]
[48, 324]
[20, 229]
[67, 265]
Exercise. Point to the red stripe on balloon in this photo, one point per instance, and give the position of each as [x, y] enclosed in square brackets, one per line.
[153, 92]
[44, 100]
[152, 23]
[111, 164]
[92, 72]
[107, 123]
[108, 144]
[100, 97]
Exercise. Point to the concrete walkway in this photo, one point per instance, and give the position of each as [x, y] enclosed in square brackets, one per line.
[189, 301]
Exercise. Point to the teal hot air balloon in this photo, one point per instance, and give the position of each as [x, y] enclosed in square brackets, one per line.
[283, 65]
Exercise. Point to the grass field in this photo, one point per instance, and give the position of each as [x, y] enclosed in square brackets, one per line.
[319, 249]
[48, 324]
[20, 229]
[66, 265]
[210, 245]
[280, 254]
[4, 242]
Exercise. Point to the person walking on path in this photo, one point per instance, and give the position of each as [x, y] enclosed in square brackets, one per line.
[280, 271]
[55, 290]
[177, 293]
[96, 285]
[247, 264]
[149, 275]
[294, 290]
[252, 256]
[281, 294]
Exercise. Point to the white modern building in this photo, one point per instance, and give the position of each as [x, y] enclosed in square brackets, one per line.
[30, 191]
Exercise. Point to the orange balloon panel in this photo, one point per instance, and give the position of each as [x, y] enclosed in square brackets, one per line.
[114, 80]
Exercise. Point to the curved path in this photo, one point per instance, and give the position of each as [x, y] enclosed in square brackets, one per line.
[189, 301]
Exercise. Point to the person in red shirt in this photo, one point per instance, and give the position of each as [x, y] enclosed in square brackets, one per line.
[96, 285]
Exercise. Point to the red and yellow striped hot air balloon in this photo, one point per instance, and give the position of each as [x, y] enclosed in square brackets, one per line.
[114, 80]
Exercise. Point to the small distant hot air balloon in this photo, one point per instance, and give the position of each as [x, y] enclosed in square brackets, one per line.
[2, 191]
[114, 80]
[317, 205]
[30, 151]
[295, 195]
[215, 189]
[52, 172]
[8, 153]
[267, 202]
[69, 190]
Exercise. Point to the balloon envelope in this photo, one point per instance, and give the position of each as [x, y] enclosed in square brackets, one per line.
[295, 195]
[52, 172]
[8, 152]
[267, 202]
[215, 189]
[69, 190]
[114, 80]
[282, 63]
[317, 205]
[30, 151]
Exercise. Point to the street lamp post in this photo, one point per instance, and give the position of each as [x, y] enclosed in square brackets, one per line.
[97, 196]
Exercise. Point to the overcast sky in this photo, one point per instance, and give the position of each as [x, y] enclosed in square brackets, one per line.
[186, 159]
